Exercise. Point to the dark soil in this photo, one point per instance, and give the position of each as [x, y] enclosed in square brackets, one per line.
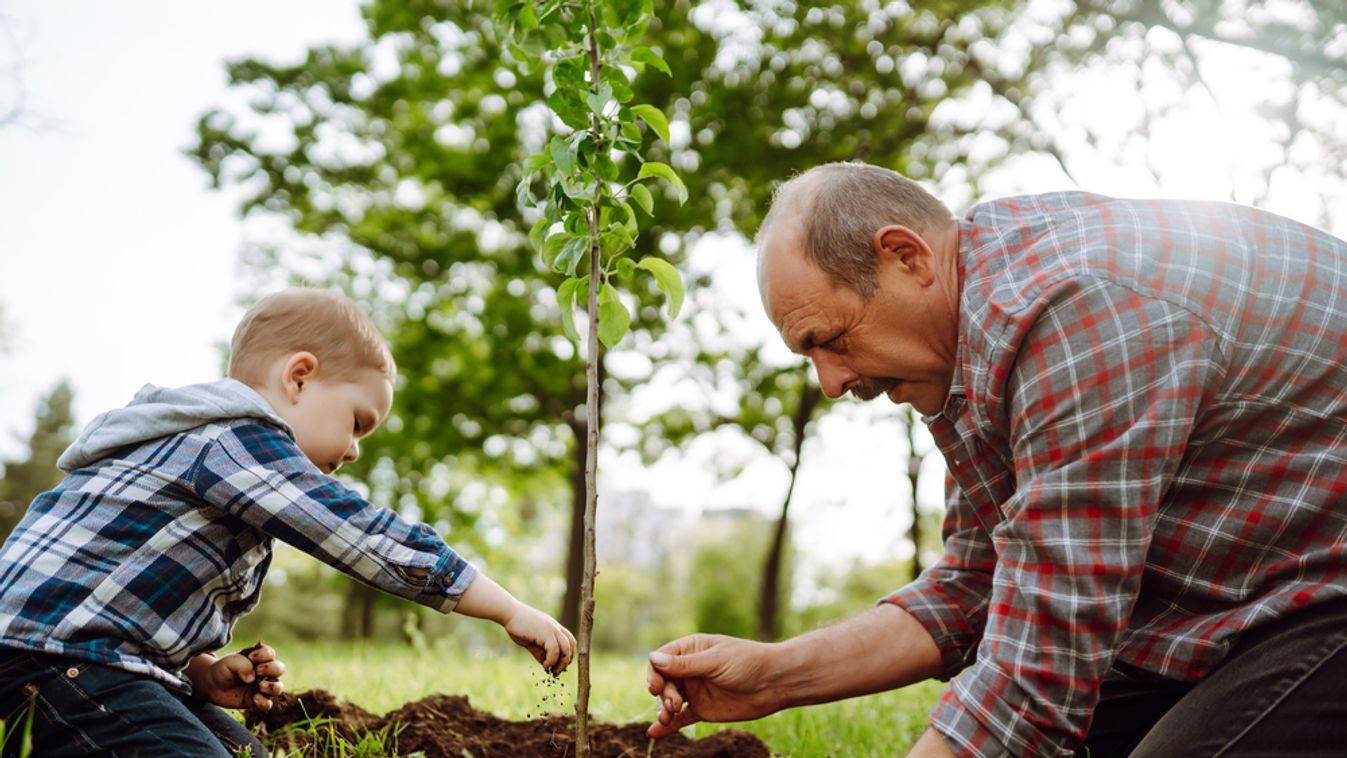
[447, 726]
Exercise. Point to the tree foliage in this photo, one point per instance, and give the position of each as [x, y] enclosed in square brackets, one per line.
[397, 160]
[28, 477]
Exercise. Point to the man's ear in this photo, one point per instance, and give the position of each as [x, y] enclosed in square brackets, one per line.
[297, 369]
[901, 245]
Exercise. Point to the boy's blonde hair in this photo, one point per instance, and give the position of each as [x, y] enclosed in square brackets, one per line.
[324, 323]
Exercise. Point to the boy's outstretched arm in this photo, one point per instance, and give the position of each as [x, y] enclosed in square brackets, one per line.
[550, 643]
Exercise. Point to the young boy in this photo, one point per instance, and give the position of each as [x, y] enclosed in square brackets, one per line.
[116, 585]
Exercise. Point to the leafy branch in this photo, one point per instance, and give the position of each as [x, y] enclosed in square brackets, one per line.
[588, 227]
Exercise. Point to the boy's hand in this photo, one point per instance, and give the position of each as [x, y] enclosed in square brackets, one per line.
[247, 679]
[551, 644]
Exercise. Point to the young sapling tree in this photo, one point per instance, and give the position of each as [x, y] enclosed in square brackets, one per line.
[583, 184]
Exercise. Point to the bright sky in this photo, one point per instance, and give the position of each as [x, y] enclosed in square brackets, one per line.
[118, 265]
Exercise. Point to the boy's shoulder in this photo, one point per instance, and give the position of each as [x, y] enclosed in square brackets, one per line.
[157, 413]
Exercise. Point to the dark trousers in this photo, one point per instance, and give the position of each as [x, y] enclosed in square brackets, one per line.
[81, 708]
[1281, 691]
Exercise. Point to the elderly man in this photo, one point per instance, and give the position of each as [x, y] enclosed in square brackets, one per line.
[1143, 407]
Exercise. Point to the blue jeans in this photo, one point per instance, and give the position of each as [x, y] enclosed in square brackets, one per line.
[82, 708]
[1281, 691]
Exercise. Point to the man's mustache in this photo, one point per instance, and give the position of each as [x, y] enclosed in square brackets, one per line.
[869, 389]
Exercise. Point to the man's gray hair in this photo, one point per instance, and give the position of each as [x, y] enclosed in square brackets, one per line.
[840, 206]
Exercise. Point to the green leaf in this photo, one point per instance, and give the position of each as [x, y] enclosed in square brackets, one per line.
[640, 194]
[577, 223]
[553, 246]
[569, 73]
[563, 154]
[615, 241]
[662, 170]
[537, 232]
[523, 194]
[581, 193]
[536, 162]
[571, 253]
[655, 118]
[626, 268]
[633, 228]
[569, 108]
[598, 101]
[650, 58]
[668, 279]
[605, 166]
[614, 320]
[566, 301]
[528, 16]
[617, 79]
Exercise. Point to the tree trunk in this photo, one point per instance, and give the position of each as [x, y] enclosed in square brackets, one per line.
[913, 471]
[357, 614]
[575, 552]
[769, 610]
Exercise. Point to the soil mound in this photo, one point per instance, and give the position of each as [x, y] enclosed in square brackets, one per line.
[446, 726]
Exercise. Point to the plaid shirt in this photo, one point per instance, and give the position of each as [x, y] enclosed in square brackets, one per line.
[1146, 439]
[148, 557]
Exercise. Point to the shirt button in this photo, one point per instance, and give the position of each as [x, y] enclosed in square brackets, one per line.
[72, 672]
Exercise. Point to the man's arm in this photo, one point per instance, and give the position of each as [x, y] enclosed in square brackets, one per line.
[716, 678]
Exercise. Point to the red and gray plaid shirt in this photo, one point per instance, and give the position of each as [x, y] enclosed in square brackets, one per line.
[1147, 447]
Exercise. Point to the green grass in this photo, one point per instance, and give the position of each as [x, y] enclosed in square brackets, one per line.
[381, 677]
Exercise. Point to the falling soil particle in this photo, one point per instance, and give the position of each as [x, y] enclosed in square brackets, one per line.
[446, 726]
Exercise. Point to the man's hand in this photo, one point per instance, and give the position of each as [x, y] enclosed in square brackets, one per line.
[717, 678]
[707, 677]
[237, 680]
[550, 643]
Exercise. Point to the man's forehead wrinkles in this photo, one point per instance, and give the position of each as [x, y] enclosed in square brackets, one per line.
[793, 331]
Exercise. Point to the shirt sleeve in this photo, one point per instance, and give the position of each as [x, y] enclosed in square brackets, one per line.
[950, 597]
[1101, 401]
[258, 474]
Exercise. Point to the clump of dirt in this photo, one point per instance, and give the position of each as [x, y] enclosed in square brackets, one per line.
[446, 726]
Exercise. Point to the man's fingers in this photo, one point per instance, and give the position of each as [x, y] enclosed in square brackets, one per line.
[671, 697]
[682, 666]
[667, 723]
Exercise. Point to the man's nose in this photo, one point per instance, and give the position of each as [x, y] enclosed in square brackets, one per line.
[833, 374]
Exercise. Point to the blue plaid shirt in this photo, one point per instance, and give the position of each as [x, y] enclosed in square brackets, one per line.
[146, 558]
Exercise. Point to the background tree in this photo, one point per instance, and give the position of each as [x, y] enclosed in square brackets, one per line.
[26, 478]
[396, 161]
[1193, 65]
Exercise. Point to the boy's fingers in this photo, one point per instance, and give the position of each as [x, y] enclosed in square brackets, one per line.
[551, 654]
[270, 668]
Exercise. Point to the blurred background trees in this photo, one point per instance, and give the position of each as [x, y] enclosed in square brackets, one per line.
[25, 478]
[393, 163]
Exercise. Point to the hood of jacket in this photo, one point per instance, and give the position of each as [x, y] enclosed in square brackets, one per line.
[157, 412]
